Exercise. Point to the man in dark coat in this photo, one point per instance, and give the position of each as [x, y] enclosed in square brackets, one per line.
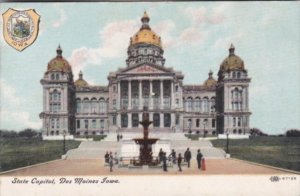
[188, 157]
[179, 160]
[199, 158]
[173, 156]
[164, 159]
[160, 155]
[106, 157]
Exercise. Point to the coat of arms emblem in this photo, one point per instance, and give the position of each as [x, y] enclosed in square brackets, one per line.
[20, 27]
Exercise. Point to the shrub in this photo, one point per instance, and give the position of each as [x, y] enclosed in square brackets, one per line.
[293, 133]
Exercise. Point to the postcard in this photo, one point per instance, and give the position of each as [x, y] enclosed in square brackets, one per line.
[149, 98]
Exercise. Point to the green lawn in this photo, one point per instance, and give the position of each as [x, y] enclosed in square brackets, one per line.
[20, 152]
[281, 152]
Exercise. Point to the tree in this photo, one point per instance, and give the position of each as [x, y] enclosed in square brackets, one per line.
[257, 132]
[8, 134]
[293, 133]
[28, 133]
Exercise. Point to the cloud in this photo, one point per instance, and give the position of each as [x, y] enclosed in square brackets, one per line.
[114, 38]
[11, 110]
[61, 20]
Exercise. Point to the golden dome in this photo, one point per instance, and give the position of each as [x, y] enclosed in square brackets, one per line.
[210, 82]
[232, 62]
[81, 82]
[59, 63]
[145, 34]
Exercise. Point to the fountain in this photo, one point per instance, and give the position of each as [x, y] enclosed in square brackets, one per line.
[145, 144]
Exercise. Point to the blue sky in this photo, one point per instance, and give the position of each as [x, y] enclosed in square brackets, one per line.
[195, 35]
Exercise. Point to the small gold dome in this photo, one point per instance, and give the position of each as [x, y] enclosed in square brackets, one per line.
[232, 62]
[145, 34]
[210, 82]
[81, 82]
[59, 63]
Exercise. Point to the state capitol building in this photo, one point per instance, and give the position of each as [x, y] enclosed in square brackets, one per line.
[145, 83]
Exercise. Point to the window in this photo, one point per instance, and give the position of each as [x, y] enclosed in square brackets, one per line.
[205, 104]
[197, 122]
[57, 122]
[124, 120]
[94, 105]
[177, 120]
[86, 104]
[94, 124]
[135, 120]
[213, 123]
[189, 123]
[57, 132]
[52, 123]
[102, 124]
[240, 131]
[114, 104]
[78, 124]
[177, 102]
[189, 104]
[114, 120]
[213, 102]
[52, 76]
[176, 88]
[234, 122]
[57, 76]
[55, 102]
[238, 74]
[78, 105]
[86, 124]
[197, 104]
[239, 122]
[233, 75]
[156, 120]
[102, 105]
[167, 120]
[114, 88]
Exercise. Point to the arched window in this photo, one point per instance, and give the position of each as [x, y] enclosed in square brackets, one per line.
[156, 120]
[189, 103]
[86, 124]
[52, 76]
[86, 105]
[240, 131]
[189, 123]
[114, 104]
[198, 123]
[52, 132]
[237, 99]
[233, 75]
[124, 120]
[57, 132]
[213, 123]
[167, 120]
[212, 104]
[55, 101]
[234, 130]
[102, 105]
[135, 120]
[197, 104]
[238, 74]
[94, 124]
[57, 76]
[94, 105]
[78, 106]
[205, 104]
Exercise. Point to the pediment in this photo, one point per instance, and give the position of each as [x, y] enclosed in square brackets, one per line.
[145, 69]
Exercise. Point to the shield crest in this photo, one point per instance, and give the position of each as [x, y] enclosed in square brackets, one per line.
[20, 27]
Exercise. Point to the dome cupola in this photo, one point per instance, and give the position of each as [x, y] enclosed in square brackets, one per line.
[59, 63]
[232, 62]
[210, 82]
[80, 82]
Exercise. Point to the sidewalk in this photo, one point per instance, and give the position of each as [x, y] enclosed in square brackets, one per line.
[96, 167]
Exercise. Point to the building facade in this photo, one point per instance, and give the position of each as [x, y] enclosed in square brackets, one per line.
[75, 107]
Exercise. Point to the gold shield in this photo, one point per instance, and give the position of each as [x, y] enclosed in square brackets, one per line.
[20, 27]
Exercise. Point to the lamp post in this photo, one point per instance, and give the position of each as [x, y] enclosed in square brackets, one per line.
[64, 134]
[204, 124]
[227, 141]
[47, 128]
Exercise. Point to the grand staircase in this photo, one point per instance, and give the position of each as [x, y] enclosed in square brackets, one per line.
[177, 141]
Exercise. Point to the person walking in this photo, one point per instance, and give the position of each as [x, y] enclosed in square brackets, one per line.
[188, 157]
[173, 156]
[118, 137]
[160, 155]
[164, 159]
[106, 157]
[179, 160]
[111, 161]
[199, 158]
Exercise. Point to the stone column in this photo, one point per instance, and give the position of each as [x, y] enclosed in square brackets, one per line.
[129, 120]
[151, 119]
[140, 95]
[172, 95]
[161, 94]
[119, 95]
[173, 121]
[140, 119]
[119, 120]
[151, 96]
[161, 120]
[129, 94]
